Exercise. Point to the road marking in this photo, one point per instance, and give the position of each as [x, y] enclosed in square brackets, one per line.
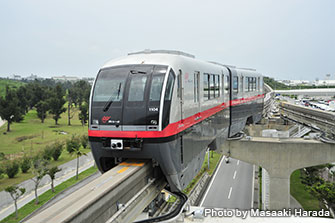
[131, 163]
[212, 180]
[252, 186]
[123, 169]
[230, 192]
[234, 175]
[238, 162]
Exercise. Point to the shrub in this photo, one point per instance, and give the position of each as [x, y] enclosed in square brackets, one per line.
[25, 164]
[12, 168]
[2, 171]
[47, 153]
[2, 156]
[84, 141]
[72, 144]
[57, 150]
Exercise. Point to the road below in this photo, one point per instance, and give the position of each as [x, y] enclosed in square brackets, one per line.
[230, 187]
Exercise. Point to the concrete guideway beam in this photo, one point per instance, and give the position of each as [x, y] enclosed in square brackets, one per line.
[280, 157]
[97, 201]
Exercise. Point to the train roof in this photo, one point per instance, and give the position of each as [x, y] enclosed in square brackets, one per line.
[171, 58]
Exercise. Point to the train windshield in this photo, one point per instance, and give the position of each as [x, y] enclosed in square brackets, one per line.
[130, 95]
[110, 84]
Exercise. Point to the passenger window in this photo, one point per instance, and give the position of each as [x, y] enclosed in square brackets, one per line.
[206, 86]
[169, 87]
[211, 85]
[196, 86]
[235, 84]
[156, 87]
[137, 86]
[217, 85]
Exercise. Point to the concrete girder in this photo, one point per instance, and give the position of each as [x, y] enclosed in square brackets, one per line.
[280, 157]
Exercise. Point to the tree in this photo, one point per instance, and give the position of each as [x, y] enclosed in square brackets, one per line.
[52, 174]
[57, 150]
[9, 108]
[71, 98]
[39, 172]
[82, 89]
[42, 107]
[15, 192]
[324, 191]
[83, 115]
[56, 103]
[25, 164]
[11, 168]
[23, 99]
[73, 146]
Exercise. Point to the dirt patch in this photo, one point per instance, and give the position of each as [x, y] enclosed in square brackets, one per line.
[22, 138]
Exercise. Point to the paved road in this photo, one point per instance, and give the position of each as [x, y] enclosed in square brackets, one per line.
[231, 186]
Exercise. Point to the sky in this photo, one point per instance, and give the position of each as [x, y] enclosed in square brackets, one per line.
[283, 39]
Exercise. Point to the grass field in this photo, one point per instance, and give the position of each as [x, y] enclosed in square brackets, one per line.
[30, 207]
[10, 83]
[31, 136]
[298, 191]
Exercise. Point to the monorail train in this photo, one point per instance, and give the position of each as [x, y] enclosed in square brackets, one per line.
[169, 107]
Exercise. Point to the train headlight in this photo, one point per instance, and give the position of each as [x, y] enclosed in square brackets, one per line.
[95, 122]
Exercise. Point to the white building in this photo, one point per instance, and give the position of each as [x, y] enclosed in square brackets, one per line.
[65, 78]
[324, 83]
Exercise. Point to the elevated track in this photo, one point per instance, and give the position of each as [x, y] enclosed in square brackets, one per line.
[118, 195]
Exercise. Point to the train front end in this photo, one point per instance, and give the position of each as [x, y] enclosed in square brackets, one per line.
[129, 112]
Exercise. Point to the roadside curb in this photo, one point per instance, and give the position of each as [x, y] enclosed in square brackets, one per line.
[204, 185]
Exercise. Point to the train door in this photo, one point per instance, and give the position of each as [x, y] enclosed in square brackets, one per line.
[135, 104]
[196, 92]
[181, 93]
[233, 95]
[142, 98]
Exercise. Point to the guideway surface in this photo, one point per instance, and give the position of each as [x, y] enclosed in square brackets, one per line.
[280, 157]
[96, 201]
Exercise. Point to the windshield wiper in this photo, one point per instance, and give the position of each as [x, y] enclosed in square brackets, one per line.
[110, 101]
[137, 72]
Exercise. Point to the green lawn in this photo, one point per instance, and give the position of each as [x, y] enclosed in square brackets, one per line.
[31, 136]
[11, 83]
[30, 207]
[298, 191]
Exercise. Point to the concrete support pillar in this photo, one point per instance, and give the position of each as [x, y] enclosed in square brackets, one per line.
[279, 192]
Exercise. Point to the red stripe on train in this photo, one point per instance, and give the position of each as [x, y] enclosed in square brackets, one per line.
[173, 128]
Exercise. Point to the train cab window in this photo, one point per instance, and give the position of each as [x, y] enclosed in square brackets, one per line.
[206, 86]
[156, 87]
[136, 89]
[235, 84]
[169, 87]
[110, 84]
